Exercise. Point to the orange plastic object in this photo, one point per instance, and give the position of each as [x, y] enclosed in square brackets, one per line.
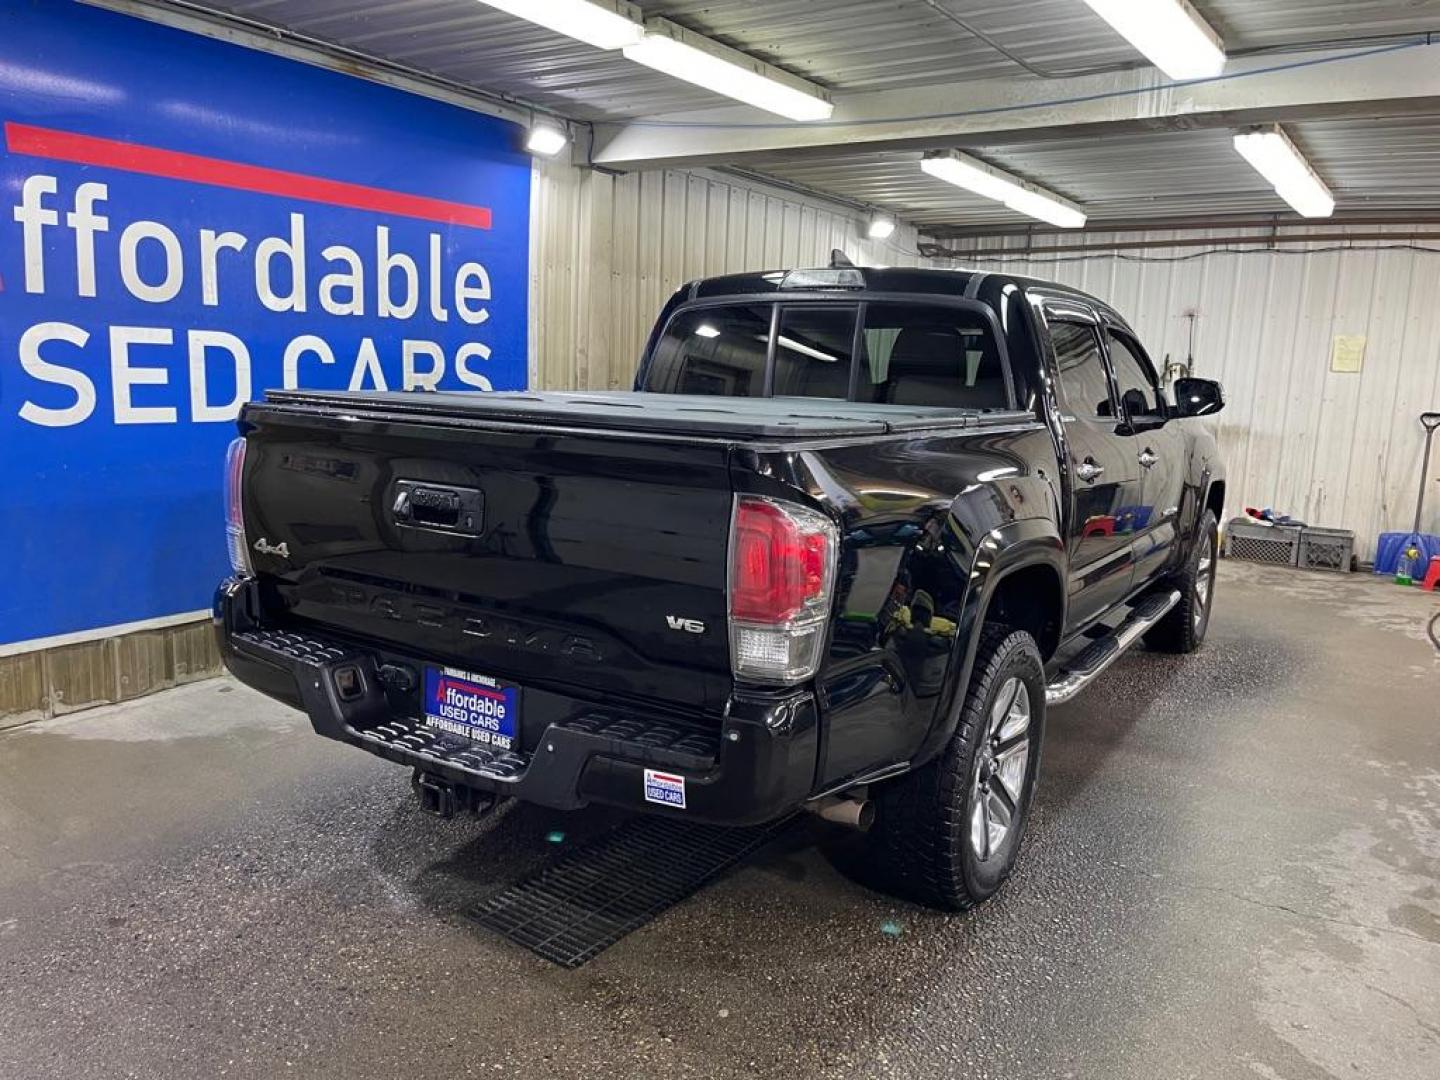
[1432, 575]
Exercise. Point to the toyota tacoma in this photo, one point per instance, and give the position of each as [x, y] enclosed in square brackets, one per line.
[850, 535]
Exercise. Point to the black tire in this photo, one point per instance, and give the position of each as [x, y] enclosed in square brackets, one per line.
[922, 839]
[1183, 627]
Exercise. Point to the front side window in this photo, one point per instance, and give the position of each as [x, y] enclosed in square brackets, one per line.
[1137, 389]
[1084, 387]
[713, 350]
[930, 354]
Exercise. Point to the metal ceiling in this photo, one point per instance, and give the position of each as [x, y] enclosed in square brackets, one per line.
[860, 45]
[846, 45]
[1385, 164]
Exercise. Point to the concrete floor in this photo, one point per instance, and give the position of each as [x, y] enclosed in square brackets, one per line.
[1231, 871]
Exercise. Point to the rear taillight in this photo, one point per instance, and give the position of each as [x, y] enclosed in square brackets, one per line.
[234, 514]
[782, 575]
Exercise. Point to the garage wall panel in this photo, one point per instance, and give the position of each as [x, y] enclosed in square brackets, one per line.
[609, 250]
[1334, 449]
[1331, 448]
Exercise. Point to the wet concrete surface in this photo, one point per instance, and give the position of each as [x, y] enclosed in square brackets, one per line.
[1231, 871]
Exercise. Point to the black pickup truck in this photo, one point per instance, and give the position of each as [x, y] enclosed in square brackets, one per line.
[850, 534]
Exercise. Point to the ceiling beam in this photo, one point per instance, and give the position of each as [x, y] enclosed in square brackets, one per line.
[1378, 81]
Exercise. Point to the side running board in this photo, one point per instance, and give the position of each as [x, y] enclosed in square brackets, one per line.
[1102, 652]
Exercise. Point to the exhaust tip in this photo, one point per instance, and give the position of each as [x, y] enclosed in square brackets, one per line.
[853, 813]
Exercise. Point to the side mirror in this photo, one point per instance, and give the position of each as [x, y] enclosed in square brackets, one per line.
[1198, 397]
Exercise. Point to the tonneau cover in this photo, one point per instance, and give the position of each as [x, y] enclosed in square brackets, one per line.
[681, 414]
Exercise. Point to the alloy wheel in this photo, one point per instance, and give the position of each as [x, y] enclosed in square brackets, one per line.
[1000, 770]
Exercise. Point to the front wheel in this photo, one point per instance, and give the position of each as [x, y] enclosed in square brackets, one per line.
[1183, 627]
[948, 833]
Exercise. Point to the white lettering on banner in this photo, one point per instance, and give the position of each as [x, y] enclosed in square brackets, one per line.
[415, 379]
[86, 223]
[124, 374]
[367, 361]
[45, 371]
[463, 373]
[280, 273]
[353, 279]
[211, 244]
[293, 250]
[169, 286]
[33, 218]
[437, 305]
[200, 342]
[463, 292]
[386, 262]
[298, 348]
[398, 292]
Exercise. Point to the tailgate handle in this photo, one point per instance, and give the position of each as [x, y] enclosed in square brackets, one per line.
[429, 506]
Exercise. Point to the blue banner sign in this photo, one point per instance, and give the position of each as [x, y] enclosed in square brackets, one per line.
[185, 223]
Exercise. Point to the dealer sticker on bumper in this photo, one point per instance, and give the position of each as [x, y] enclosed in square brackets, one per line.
[475, 707]
[666, 789]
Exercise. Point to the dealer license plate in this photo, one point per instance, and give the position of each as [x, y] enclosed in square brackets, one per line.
[474, 707]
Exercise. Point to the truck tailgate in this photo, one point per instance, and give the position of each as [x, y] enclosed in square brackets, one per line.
[588, 560]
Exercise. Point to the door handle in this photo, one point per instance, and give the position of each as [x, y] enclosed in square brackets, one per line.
[1148, 457]
[420, 505]
[1088, 471]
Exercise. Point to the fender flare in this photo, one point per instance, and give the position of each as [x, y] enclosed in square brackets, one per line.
[1001, 552]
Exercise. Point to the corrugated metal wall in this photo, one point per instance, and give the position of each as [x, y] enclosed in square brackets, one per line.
[1335, 449]
[607, 251]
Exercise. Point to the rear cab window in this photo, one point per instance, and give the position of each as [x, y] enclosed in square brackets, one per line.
[930, 354]
[918, 354]
[713, 350]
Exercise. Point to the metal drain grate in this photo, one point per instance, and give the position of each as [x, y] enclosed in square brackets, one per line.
[580, 906]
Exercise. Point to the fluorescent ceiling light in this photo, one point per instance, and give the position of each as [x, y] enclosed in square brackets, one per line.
[803, 349]
[1170, 33]
[676, 51]
[606, 24]
[547, 140]
[1271, 153]
[705, 330]
[1024, 198]
[881, 227]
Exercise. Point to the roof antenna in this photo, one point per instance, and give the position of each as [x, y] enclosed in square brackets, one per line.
[839, 260]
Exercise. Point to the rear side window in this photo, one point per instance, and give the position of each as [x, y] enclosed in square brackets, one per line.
[715, 350]
[1084, 388]
[929, 354]
[812, 351]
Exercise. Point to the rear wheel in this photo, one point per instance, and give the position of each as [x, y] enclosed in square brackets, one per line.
[948, 833]
[1183, 627]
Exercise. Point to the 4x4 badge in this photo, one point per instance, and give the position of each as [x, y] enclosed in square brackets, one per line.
[264, 547]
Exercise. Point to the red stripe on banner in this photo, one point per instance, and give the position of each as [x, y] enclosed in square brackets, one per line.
[498, 695]
[152, 161]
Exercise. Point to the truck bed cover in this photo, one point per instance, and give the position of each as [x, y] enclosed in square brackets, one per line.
[677, 414]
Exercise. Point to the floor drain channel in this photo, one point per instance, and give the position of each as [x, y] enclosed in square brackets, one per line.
[573, 910]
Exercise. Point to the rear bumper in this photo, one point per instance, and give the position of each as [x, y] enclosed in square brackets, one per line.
[759, 764]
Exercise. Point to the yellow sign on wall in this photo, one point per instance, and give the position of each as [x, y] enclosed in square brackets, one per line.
[1348, 352]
